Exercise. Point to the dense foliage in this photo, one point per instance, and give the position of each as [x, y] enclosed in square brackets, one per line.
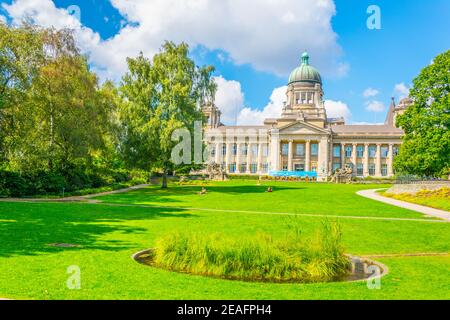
[63, 130]
[426, 146]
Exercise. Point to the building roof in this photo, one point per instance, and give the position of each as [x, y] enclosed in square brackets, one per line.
[391, 114]
[305, 72]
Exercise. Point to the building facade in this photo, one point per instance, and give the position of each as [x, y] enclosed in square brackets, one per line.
[303, 141]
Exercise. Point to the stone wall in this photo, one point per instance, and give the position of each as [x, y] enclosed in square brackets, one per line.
[416, 187]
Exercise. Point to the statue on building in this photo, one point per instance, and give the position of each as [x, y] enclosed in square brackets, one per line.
[216, 172]
[343, 175]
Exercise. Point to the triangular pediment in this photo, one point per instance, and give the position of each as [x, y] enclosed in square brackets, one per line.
[301, 127]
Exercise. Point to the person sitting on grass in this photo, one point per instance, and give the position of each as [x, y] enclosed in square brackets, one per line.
[203, 192]
[269, 190]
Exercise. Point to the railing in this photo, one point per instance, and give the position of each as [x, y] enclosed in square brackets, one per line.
[415, 180]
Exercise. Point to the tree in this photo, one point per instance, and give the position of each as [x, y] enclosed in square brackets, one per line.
[62, 117]
[161, 96]
[426, 145]
[21, 56]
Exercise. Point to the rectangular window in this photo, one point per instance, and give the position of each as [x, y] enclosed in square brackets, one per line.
[337, 151]
[371, 169]
[384, 152]
[243, 168]
[285, 149]
[265, 168]
[299, 167]
[244, 149]
[254, 149]
[384, 170]
[224, 149]
[348, 152]
[372, 152]
[235, 150]
[300, 150]
[265, 150]
[233, 168]
[314, 149]
[360, 151]
[254, 168]
[396, 151]
[360, 170]
[285, 167]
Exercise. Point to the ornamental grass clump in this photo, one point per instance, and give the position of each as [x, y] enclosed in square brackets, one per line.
[260, 258]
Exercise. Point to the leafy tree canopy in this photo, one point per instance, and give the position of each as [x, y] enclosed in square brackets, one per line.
[426, 146]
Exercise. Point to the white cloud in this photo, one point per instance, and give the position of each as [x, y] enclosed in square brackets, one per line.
[2, 18]
[229, 99]
[370, 92]
[402, 90]
[337, 109]
[273, 109]
[375, 106]
[267, 34]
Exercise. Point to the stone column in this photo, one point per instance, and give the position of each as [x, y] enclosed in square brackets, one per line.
[323, 165]
[260, 157]
[228, 156]
[342, 155]
[308, 156]
[238, 158]
[355, 158]
[291, 155]
[391, 160]
[366, 160]
[275, 150]
[378, 161]
[249, 157]
[218, 153]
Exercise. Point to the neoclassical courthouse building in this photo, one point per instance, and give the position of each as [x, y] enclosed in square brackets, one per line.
[303, 141]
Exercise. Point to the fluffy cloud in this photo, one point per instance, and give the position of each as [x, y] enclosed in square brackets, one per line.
[2, 18]
[229, 99]
[273, 109]
[337, 109]
[375, 106]
[401, 90]
[264, 33]
[370, 92]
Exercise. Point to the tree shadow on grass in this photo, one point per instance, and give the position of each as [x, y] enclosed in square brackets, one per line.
[160, 196]
[30, 228]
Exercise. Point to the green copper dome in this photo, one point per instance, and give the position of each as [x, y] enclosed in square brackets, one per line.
[305, 73]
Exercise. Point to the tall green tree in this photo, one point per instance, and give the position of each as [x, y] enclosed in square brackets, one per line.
[426, 145]
[21, 56]
[62, 117]
[161, 96]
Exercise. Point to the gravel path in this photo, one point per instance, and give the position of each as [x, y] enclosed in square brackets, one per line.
[373, 194]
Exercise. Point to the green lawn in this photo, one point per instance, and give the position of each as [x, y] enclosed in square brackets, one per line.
[110, 232]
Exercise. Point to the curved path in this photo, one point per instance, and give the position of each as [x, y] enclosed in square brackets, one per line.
[373, 194]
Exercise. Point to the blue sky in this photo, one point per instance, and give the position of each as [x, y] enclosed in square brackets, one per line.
[413, 32]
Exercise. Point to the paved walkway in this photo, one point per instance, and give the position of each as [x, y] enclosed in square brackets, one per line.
[373, 194]
[76, 198]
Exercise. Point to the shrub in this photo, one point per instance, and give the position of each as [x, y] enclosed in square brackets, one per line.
[260, 258]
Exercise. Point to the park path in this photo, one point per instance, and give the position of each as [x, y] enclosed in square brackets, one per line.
[436, 213]
[76, 198]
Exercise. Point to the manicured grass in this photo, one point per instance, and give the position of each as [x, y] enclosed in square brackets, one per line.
[439, 199]
[108, 235]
